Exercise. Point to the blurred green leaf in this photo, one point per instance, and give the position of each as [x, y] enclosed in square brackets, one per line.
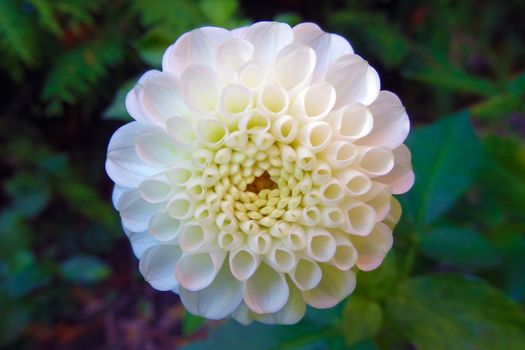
[449, 311]
[117, 109]
[25, 274]
[84, 269]
[380, 282]
[257, 336]
[152, 45]
[362, 319]
[291, 18]
[30, 193]
[455, 79]
[446, 156]
[191, 323]
[219, 12]
[461, 247]
[14, 317]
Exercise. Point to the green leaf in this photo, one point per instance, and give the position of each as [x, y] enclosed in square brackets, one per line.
[445, 157]
[117, 109]
[257, 336]
[191, 323]
[455, 79]
[362, 319]
[84, 269]
[461, 247]
[15, 316]
[25, 274]
[379, 283]
[219, 12]
[291, 18]
[449, 311]
[30, 193]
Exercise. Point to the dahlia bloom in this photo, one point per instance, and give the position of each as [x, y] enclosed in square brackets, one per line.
[259, 171]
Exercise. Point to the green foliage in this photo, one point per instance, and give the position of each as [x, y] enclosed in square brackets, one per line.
[362, 320]
[84, 269]
[453, 312]
[446, 157]
[464, 248]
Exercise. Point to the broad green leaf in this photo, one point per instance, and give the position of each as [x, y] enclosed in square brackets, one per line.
[15, 316]
[117, 109]
[362, 319]
[448, 311]
[190, 323]
[25, 274]
[379, 283]
[219, 12]
[257, 336]
[84, 269]
[445, 156]
[30, 193]
[456, 80]
[461, 247]
[291, 18]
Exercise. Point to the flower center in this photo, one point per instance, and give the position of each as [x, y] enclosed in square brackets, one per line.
[263, 182]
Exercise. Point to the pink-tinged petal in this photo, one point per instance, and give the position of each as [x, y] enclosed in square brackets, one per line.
[266, 291]
[159, 98]
[123, 165]
[156, 148]
[335, 285]
[197, 271]
[328, 47]
[221, 298]
[195, 47]
[268, 38]
[354, 80]
[401, 178]
[373, 248]
[135, 211]
[157, 265]
[391, 123]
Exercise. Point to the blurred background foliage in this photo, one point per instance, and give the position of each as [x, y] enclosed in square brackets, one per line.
[455, 278]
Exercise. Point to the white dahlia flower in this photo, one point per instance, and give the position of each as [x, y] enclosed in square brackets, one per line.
[259, 171]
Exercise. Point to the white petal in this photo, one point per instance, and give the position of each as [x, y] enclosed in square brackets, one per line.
[182, 131]
[156, 148]
[354, 81]
[294, 66]
[401, 178]
[156, 189]
[123, 165]
[268, 38]
[157, 265]
[195, 47]
[231, 56]
[135, 211]
[292, 312]
[201, 89]
[328, 47]
[391, 123]
[266, 291]
[140, 241]
[373, 248]
[133, 106]
[197, 271]
[218, 300]
[163, 227]
[117, 192]
[335, 285]
[160, 98]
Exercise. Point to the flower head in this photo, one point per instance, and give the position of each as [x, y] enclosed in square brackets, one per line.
[259, 171]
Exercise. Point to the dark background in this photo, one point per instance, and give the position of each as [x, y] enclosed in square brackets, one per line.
[455, 277]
